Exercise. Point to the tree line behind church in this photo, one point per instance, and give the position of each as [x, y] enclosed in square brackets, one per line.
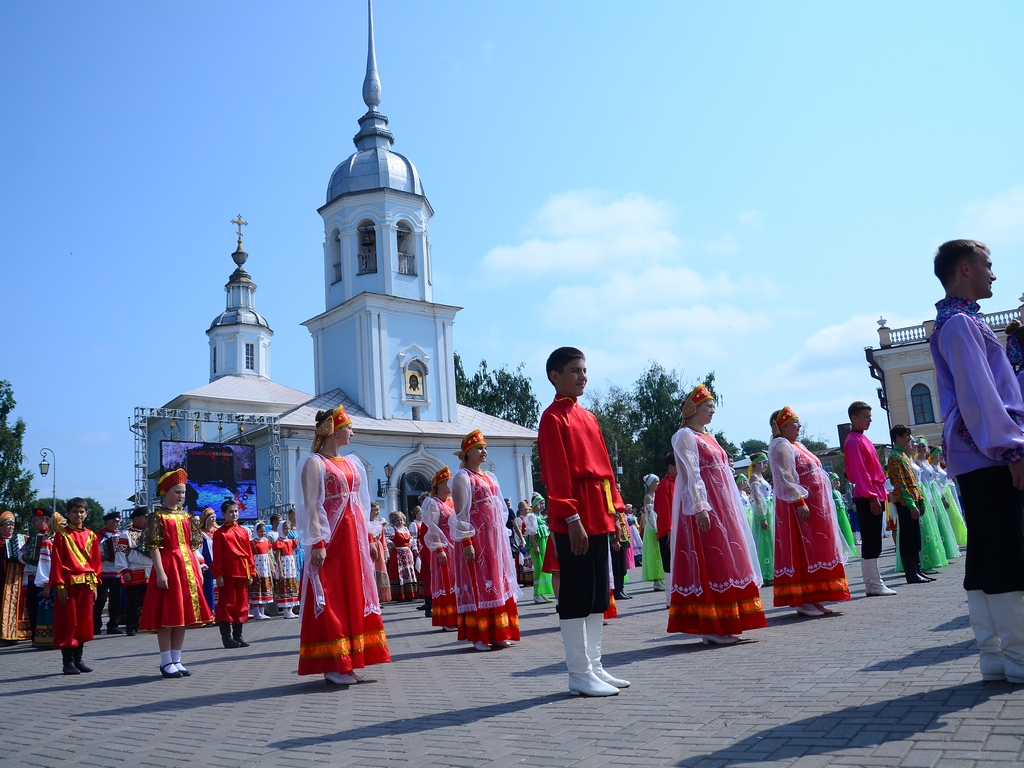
[638, 422]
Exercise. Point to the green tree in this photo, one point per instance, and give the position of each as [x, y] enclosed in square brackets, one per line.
[507, 394]
[16, 492]
[728, 446]
[752, 446]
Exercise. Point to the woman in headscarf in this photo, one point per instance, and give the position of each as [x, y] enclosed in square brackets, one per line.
[651, 569]
[715, 579]
[14, 623]
[341, 629]
[809, 558]
[485, 575]
[537, 534]
[763, 502]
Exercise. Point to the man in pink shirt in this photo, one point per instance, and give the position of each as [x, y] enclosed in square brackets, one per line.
[864, 470]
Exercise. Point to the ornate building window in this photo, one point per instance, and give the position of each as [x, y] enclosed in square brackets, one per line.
[367, 248]
[921, 399]
[406, 249]
[250, 356]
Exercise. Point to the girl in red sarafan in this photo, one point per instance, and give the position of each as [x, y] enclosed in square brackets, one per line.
[177, 602]
[341, 629]
[437, 547]
[485, 577]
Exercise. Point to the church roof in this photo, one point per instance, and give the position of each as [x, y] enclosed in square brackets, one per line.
[242, 388]
[469, 419]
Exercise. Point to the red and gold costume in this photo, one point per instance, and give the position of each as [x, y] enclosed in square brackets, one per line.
[342, 629]
[75, 565]
[286, 583]
[808, 554]
[232, 562]
[436, 515]
[401, 566]
[577, 473]
[14, 619]
[486, 590]
[176, 534]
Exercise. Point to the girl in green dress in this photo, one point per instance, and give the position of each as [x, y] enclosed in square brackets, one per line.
[849, 543]
[651, 566]
[763, 502]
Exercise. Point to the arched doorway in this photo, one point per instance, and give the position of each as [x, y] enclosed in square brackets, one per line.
[411, 485]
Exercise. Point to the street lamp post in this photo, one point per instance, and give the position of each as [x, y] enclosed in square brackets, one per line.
[44, 468]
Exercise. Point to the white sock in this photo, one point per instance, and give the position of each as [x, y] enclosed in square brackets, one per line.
[175, 655]
[165, 658]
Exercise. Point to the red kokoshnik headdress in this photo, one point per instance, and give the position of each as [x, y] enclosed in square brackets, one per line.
[170, 479]
[781, 419]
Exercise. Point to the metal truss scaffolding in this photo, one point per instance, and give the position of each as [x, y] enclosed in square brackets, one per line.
[140, 428]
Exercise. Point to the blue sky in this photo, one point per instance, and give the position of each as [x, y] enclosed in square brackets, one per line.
[737, 187]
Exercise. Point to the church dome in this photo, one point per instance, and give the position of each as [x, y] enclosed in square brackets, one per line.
[239, 316]
[374, 168]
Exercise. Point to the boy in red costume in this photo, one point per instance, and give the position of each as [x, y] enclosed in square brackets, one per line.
[232, 570]
[582, 503]
[75, 566]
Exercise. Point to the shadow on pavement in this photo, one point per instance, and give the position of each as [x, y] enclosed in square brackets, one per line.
[121, 682]
[199, 699]
[925, 657]
[613, 661]
[412, 725]
[962, 622]
[865, 726]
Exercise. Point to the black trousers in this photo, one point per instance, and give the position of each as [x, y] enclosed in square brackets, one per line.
[32, 606]
[665, 545]
[619, 566]
[994, 513]
[136, 594]
[909, 539]
[870, 529]
[109, 586]
[583, 579]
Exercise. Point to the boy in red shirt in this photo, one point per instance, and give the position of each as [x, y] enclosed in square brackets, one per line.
[232, 570]
[582, 503]
[75, 567]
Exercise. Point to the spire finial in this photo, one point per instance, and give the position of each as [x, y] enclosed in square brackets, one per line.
[371, 83]
[239, 256]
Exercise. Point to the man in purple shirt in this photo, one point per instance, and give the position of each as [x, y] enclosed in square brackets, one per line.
[983, 439]
[864, 470]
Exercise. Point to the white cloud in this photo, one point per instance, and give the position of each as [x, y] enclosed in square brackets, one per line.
[751, 218]
[998, 220]
[585, 231]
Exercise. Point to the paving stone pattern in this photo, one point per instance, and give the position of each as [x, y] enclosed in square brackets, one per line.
[887, 682]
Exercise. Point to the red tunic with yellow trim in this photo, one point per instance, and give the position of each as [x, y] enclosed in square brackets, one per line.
[75, 565]
[176, 534]
[575, 469]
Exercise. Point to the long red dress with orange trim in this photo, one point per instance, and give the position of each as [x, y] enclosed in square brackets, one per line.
[486, 590]
[716, 582]
[176, 534]
[808, 555]
[436, 521]
[341, 626]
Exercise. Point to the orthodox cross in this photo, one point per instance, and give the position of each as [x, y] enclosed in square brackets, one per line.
[239, 224]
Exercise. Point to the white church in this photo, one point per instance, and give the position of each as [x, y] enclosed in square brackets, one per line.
[382, 347]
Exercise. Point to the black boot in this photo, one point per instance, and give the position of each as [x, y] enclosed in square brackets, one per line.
[76, 657]
[225, 635]
[69, 662]
[913, 574]
[236, 630]
[428, 605]
[924, 575]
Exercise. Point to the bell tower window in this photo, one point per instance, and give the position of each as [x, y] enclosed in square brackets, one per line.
[250, 356]
[334, 246]
[406, 249]
[214, 359]
[367, 248]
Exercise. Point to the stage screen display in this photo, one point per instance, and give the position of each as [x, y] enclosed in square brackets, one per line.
[216, 472]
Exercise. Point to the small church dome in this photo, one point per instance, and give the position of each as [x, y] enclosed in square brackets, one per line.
[239, 316]
[374, 168]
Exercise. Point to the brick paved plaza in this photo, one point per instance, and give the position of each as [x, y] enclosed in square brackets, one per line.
[889, 682]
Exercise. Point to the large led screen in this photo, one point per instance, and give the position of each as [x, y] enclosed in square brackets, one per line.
[216, 473]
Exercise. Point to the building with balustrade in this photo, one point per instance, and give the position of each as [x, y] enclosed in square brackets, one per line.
[902, 364]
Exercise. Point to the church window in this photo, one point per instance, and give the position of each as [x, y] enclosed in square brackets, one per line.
[214, 359]
[250, 356]
[406, 249]
[334, 247]
[367, 248]
[921, 397]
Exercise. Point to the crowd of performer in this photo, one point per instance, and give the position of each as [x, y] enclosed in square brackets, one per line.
[707, 535]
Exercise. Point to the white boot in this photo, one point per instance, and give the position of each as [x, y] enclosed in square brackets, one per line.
[582, 680]
[873, 584]
[288, 614]
[985, 634]
[595, 630]
[1007, 612]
